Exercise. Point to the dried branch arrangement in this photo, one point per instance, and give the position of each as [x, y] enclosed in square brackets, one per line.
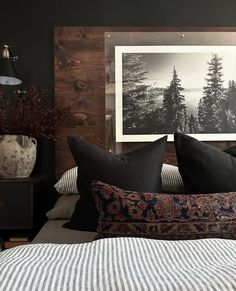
[31, 114]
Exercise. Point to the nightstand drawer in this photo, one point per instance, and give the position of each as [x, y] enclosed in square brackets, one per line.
[16, 201]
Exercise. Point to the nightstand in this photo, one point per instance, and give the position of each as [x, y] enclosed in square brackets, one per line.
[22, 208]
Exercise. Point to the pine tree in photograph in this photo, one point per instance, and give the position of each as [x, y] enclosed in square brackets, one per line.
[192, 124]
[135, 97]
[173, 106]
[200, 115]
[211, 107]
[231, 96]
[231, 106]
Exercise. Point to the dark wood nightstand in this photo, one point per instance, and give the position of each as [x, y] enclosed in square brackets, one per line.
[22, 208]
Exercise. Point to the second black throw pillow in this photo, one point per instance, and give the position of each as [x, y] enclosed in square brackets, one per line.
[231, 151]
[139, 170]
[204, 168]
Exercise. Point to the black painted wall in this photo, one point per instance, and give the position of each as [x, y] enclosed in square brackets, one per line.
[28, 26]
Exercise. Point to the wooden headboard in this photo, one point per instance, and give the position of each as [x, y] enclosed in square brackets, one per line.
[80, 84]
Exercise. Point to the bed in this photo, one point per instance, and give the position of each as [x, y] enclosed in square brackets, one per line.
[121, 264]
[60, 258]
[54, 232]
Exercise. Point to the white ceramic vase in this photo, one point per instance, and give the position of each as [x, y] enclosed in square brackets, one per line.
[17, 156]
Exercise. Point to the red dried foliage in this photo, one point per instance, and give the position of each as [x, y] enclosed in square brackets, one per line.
[32, 114]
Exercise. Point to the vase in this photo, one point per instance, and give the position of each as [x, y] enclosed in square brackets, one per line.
[17, 156]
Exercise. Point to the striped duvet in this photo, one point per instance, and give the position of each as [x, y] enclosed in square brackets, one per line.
[121, 264]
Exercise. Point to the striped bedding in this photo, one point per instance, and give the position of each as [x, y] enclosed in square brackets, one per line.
[121, 264]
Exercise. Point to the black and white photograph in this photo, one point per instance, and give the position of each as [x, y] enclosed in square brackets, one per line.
[163, 89]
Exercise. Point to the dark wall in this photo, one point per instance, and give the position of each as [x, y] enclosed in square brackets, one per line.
[28, 26]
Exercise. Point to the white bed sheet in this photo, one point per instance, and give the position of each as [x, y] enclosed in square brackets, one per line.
[53, 232]
[121, 264]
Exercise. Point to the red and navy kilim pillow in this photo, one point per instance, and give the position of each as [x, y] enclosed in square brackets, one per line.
[164, 216]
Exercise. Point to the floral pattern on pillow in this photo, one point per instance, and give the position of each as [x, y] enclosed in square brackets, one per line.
[164, 216]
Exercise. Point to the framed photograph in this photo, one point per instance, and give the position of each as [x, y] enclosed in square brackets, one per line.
[160, 89]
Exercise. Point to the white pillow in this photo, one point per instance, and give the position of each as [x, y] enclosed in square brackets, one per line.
[63, 208]
[171, 181]
[68, 182]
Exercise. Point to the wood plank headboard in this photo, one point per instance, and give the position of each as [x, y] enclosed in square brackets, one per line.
[80, 84]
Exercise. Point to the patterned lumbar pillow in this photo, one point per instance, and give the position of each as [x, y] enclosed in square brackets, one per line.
[67, 183]
[164, 216]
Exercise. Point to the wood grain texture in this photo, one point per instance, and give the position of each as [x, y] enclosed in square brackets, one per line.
[80, 84]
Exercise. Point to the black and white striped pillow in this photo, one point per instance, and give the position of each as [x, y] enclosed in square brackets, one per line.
[170, 176]
[171, 181]
[67, 183]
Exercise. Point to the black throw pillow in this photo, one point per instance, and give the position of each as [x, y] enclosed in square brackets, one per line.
[204, 168]
[139, 170]
[231, 151]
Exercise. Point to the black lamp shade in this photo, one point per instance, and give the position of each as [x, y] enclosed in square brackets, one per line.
[8, 74]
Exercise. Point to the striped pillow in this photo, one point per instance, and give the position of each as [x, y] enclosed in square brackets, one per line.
[170, 176]
[67, 183]
[171, 181]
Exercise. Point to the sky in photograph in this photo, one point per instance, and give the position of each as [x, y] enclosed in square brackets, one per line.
[191, 68]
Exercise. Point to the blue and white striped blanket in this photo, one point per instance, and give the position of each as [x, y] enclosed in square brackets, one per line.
[134, 264]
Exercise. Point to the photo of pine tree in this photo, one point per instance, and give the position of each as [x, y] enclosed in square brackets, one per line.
[190, 92]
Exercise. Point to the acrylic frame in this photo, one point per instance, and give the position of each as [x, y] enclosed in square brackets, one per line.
[160, 49]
